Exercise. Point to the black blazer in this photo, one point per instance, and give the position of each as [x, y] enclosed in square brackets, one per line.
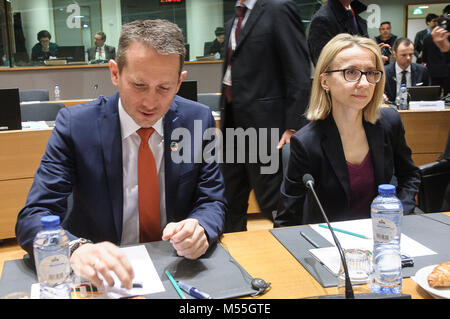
[330, 20]
[419, 74]
[270, 69]
[438, 63]
[317, 149]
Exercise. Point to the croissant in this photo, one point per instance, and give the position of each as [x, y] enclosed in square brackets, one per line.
[440, 276]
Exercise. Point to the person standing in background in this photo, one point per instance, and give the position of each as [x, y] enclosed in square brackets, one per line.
[266, 85]
[430, 20]
[334, 17]
[387, 39]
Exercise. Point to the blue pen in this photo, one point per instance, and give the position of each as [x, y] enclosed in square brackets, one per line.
[194, 292]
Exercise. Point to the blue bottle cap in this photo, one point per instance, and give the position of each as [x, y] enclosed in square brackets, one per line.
[386, 189]
[50, 221]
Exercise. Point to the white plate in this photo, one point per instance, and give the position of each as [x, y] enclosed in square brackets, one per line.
[421, 278]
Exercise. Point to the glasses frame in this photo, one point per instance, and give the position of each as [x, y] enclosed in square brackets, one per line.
[361, 73]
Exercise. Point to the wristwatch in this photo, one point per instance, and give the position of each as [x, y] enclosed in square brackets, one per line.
[75, 244]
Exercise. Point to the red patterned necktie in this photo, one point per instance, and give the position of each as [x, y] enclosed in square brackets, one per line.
[240, 14]
[148, 191]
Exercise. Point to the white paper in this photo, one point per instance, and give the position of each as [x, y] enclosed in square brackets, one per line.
[329, 257]
[34, 125]
[144, 273]
[408, 246]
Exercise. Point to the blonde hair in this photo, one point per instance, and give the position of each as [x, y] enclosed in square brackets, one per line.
[319, 102]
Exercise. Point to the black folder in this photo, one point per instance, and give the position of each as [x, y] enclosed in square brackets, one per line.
[431, 230]
[216, 273]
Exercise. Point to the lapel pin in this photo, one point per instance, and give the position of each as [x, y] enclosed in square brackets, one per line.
[174, 146]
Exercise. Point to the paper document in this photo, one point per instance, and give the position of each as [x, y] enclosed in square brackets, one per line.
[145, 276]
[34, 125]
[329, 257]
[408, 246]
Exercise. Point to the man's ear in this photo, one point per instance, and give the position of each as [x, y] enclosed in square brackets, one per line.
[114, 72]
[181, 79]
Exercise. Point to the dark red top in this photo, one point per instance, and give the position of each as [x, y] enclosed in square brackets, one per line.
[362, 187]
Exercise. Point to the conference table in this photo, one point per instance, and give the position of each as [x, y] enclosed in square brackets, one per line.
[21, 151]
[263, 256]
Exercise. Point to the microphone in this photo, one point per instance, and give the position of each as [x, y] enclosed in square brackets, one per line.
[308, 180]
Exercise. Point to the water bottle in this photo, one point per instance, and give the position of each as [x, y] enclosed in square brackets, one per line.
[402, 98]
[52, 259]
[386, 212]
[57, 92]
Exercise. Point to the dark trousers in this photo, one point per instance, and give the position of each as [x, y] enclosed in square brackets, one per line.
[241, 177]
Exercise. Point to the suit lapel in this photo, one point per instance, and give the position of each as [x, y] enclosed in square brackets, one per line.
[255, 14]
[111, 141]
[375, 138]
[333, 149]
[172, 121]
[414, 75]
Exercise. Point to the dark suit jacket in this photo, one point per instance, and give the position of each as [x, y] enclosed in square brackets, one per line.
[84, 156]
[419, 74]
[317, 149]
[438, 63]
[270, 69]
[330, 20]
[418, 43]
[110, 52]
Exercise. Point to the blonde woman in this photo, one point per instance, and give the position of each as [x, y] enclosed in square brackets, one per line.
[351, 144]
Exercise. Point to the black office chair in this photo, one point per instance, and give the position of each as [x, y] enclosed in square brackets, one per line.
[40, 111]
[33, 95]
[435, 179]
[210, 99]
[206, 48]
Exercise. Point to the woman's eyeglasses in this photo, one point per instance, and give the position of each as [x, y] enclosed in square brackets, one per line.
[354, 75]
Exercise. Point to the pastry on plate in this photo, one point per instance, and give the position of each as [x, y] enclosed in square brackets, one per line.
[440, 276]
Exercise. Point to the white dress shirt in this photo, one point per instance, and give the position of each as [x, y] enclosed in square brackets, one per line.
[130, 147]
[398, 76]
[97, 53]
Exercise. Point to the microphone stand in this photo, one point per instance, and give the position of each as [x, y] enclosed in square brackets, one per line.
[349, 294]
[348, 284]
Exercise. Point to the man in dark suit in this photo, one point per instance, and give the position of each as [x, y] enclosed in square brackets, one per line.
[334, 17]
[403, 70]
[101, 51]
[430, 20]
[266, 85]
[386, 37]
[99, 152]
[438, 62]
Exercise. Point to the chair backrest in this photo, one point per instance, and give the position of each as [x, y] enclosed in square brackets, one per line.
[435, 178]
[33, 95]
[210, 99]
[206, 47]
[40, 111]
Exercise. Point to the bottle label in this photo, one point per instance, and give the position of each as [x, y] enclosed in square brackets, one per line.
[384, 230]
[54, 269]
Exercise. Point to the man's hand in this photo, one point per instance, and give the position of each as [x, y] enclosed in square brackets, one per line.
[187, 237]
[285, 138]
[440, 38]
[91, 259]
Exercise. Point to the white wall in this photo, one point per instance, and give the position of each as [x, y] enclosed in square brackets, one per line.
[112, 21]
[202, 18]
